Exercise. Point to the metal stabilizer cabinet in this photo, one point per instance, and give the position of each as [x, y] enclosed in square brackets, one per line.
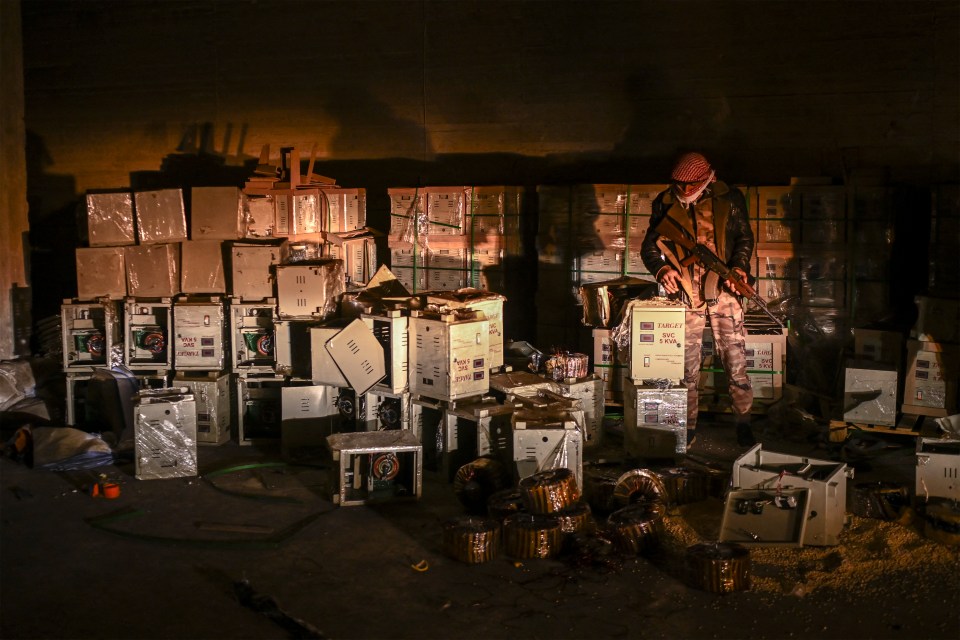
[449, 356]
[391, 331]
[376, 466]
[938, 468]
[826, 481]
[90, 329]
[252, 332]
[147, 334]
[199, 334]
[766, 518]
[211, 391]
[259, 408]
[467, 427]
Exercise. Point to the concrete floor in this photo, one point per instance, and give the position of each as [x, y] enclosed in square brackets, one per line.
[158, 564]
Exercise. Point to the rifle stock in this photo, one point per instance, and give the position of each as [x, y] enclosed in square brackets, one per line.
[669, 228]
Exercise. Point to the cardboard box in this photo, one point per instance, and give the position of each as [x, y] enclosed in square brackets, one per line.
[870, 393]
[153, 270]
[101, 271]
[201, 267]
[930, 381]
[251, 270]
[161, 217]
[216, 213]
[110, 219]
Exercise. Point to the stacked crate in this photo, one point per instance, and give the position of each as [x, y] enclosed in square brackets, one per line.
[447, 238]
[588, 233]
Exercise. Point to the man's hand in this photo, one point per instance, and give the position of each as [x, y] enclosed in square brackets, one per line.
[670, 279]
[743, 278]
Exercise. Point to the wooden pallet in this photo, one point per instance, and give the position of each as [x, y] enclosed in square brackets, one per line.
[908, 425]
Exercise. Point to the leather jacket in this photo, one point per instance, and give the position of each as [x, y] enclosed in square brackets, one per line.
[734, 245]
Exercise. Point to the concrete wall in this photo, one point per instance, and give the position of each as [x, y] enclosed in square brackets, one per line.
[398, 93]
[13, 180]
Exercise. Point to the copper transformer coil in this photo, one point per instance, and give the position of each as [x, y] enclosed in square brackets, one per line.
[719, 567]
[683, 486]
[530, 535]
[638, 527]
[475, 482]
[575, 518]
[598, 487]
[549, 491]
[942, 522]
[639, 485]
[879, 500]
[471, 539]
[505, 503]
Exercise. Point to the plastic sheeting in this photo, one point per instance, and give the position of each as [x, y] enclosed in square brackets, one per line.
[165, 434]
[16, 382]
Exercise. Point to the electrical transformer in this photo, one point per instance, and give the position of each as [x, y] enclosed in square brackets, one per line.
[147, 334]
[449, 357]
[252, 332]
[198, 334]
[90, 329]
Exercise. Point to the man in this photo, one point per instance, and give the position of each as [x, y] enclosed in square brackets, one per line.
[714, 214]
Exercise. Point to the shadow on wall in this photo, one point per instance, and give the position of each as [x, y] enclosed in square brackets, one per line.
[54, 233]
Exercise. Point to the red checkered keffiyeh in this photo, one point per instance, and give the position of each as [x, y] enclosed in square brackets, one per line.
[691, 167]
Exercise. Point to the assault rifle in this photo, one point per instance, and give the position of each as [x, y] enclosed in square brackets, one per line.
[671, 229]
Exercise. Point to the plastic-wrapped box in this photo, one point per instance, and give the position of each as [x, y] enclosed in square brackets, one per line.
[258, 216]
[654, 421]
[589, 391]
[826, 481]
[309, 290]
[252, 335]
[376, 466]
[358, 250]
[147, 334]
[161, 217]
[449, 357]
[165, 434]
[211, 392]
[345, 209]
[216, 213]
[101, 272]
[251, 270]
[201, 267]
[543, 445]
[870, 393]
[489, 304]
[89, 332]
[199, 334]
[153, 270]
[110, 219]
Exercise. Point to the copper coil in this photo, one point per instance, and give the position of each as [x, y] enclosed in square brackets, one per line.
[942, 522]
[575, 518]
[598, 487]
[504, 503]
[879, 500]
[719, 567]
[549, 491]
[684, 486]
[639, 485]
[529, 535]
[637, 528]
[471, 539]
[476, 481]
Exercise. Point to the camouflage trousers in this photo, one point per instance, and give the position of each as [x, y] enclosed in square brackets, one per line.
[726, 321]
